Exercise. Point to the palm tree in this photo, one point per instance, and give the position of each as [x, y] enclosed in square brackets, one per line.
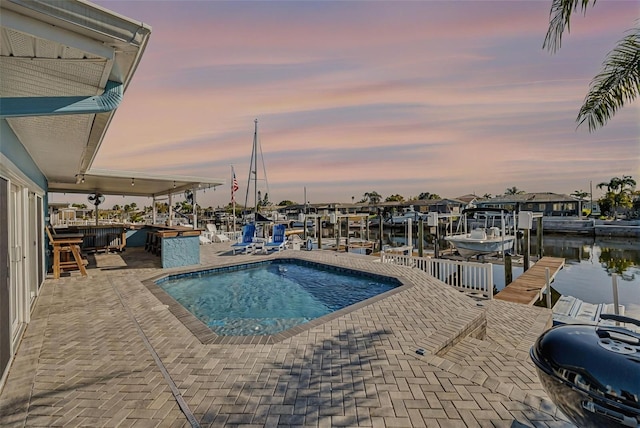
[618, 81]
[616, 184]
[162, 207]
[373, 197]
[513, 191]
[394, 198]
[430, 196]
[619, 193]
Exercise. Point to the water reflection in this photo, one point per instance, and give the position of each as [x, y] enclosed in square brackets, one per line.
[614, 261]
[589, 265]
[615, 256]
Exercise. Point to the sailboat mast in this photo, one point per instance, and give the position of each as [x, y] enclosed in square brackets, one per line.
[253, 170]
[255, 167]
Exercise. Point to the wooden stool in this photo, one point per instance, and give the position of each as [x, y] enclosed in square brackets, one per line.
[65, 246]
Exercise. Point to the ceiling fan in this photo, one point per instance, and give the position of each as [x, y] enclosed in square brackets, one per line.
[95, 198]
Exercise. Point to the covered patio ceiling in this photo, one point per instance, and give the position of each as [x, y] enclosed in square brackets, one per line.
[58, 59]
[53, 55]
[129, 183]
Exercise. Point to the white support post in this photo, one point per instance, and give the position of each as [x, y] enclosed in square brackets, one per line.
[614, 285]
[547, 276]
[410, 236]
[194, 210]
[154, 211]
[489, 275]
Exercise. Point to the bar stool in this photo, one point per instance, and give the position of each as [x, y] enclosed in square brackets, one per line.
[149, 241]
[156, 243]
[66, 254]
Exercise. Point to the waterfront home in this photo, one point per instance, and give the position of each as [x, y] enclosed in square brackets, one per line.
[547, 203]
[441, 206]
[591, 208]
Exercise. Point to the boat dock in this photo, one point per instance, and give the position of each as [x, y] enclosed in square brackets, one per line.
[527, 288]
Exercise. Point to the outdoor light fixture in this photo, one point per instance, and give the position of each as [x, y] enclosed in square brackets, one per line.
[174, 184]
[82, 181]
[133, 182]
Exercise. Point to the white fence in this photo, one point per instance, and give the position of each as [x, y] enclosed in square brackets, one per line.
[465, 276]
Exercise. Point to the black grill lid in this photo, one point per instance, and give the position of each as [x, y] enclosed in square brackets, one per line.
[602, 361]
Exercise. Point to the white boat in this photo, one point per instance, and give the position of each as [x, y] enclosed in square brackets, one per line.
[483, 238]
[409, 213]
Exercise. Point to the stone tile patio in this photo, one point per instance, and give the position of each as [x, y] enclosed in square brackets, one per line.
[104, 351]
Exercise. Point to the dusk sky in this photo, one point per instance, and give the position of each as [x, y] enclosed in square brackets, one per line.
[446, 97]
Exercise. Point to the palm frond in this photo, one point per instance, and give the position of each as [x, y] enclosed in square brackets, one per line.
[560, 16]
[617, 83]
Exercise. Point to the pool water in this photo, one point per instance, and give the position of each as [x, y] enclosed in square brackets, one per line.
[268, 298]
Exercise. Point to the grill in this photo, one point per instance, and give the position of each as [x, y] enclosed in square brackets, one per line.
[592, 373]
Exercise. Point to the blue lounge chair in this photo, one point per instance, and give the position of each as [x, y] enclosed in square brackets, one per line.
[246, 244]
[278, 242]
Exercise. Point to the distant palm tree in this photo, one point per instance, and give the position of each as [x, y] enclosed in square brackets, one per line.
[616, 184]
[618, 81]
[394, 198]
[619, 193]
[430, 196]
[162, 207]
[487, 196]
[513, 191]
[373, 197]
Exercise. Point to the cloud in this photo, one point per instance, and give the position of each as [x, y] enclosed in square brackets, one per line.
[397, 97]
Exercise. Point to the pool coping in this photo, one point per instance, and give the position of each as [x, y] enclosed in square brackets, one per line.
[206, 336]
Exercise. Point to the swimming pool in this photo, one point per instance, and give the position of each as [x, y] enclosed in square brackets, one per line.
[270, 297]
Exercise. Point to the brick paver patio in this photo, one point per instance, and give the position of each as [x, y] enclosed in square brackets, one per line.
[104, 351]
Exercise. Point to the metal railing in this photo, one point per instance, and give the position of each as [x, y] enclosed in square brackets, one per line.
[465, 276]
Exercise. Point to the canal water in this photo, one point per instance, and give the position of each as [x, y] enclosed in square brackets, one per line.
[589, 265]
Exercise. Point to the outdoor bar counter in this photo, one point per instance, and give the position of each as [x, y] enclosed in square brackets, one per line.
[104, 237]
[176, 245]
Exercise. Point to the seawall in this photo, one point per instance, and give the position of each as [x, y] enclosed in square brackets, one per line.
[591, 227]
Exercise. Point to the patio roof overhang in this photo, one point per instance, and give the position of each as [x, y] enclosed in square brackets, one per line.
[65, 66]
[129, 183]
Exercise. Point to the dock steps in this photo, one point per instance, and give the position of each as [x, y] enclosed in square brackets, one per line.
[571, 310]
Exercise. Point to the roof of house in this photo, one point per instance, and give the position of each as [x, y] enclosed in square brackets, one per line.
[530, 197]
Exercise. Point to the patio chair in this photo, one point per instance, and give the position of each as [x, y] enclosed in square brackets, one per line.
[278, 242]
[213, 235]
[246, 244]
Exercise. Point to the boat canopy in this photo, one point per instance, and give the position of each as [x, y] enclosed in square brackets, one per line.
[485, 210]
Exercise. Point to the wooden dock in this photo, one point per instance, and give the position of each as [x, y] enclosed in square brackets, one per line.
[527, 287]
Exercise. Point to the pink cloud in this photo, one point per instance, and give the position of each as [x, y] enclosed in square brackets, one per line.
[447, 97]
